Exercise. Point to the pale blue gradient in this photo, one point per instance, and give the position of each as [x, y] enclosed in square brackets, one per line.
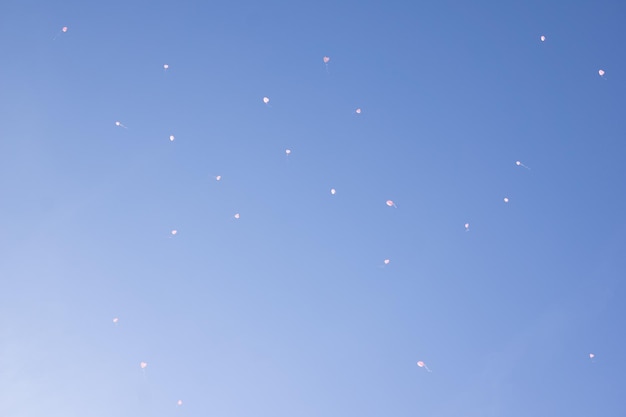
[290, 310]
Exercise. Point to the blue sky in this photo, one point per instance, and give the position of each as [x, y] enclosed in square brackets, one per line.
[290, 309]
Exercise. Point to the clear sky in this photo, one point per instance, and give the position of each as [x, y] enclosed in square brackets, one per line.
[291, 309]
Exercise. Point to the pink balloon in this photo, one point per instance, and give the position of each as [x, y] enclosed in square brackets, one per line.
[64, 29]
[326, 60]
[601, 72]
[423, 365]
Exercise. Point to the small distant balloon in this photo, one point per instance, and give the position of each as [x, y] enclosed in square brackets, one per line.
[266, 100]
[466, 227]
[288, 151]
[358, 111]
[519, 164]
[421, 364]
[179, 402]
[165, 67]
[63, 30]
[173, 232]
[119, 124]
[591, 356]
[219, 177]
[390, 203]
[326, 60]
[333, 191]
[143, 365]
[601, 73]
[116, 320]
[506, 199]
[543, 38]
[172, 138]
[386, 261]
[237, 215]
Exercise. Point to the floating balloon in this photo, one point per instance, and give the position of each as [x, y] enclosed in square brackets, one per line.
[591, 356]
[333, 191]
[237, 215]
[543, 38]
[601, 72]
[173, 232]
[120, 125]
[358, 111]
[266, 100]
[179, 402]
[219, 177]
[386, 261]
[423, 365]
[288, 151]
[326, 61]
[63, 30]
[172, 138]
[390, 203]
[116, 320]
[466, 227]
[143, 365]
[519, 164]
[506, 199]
